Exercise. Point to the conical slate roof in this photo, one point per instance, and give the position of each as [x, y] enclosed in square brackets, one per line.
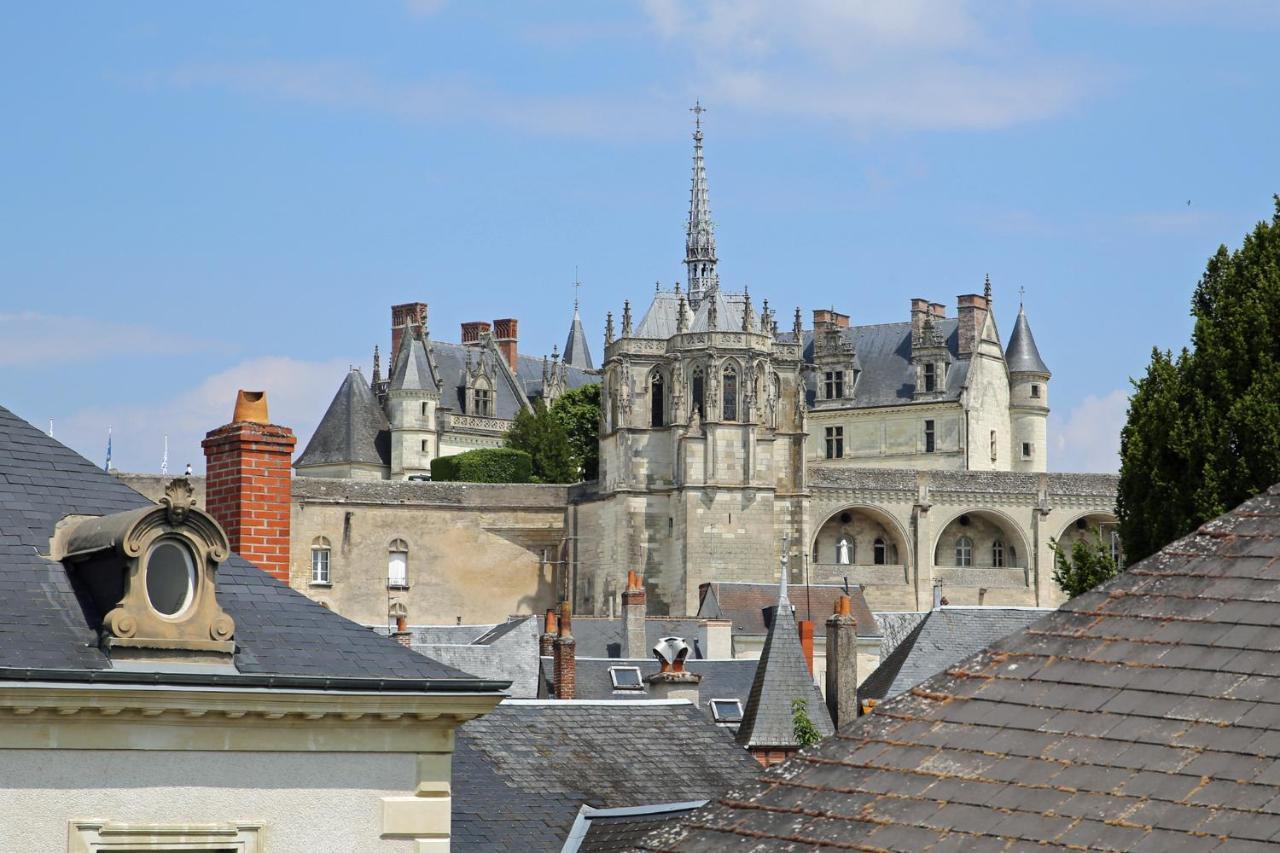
[781, 676]
[1022, 355]
[353, 429]
[412, 370]
[576, 353]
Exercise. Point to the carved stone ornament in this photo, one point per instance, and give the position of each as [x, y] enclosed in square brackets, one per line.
[152, 572]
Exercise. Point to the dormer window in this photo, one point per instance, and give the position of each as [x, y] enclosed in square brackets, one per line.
[930, 377]
[833, 384]
[625, 678]
[171, 577]
[484, 402]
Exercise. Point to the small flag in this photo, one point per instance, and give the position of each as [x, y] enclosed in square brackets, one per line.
[107, 467]
[164, 460]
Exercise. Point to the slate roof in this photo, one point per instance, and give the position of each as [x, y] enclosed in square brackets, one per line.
[412, 370]
[353, 429]
[521, 772]
[721, 679]
[576, 352]
[744, 605]
[943, 637]
[659, 320]
[602, 636]
[781, 677]
[619, 830]
[506, 652]
[1023, 356]
[279, 632]
[1144, 715]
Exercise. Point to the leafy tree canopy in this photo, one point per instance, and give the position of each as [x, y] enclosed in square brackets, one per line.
[1203, 433]
[539, 434]
[1082, 567]
[578, 412]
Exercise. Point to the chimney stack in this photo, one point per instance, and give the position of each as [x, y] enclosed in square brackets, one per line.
[402, 317]
[973, 316]
[633, 618]
[247, 486]
[673, 681]
[842, 663]
[504, 334]
[472, 331]
[546, 643]
[565, 664]
[402, 634]
[717, 639]
[919, 311]
[806, 641]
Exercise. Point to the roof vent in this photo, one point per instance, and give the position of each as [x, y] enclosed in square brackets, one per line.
[671, 652]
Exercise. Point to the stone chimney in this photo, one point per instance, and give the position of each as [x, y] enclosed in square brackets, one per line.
[806, 641]
[473, 331]
[919, 310]
[972, 312]
[504, 334]
[565, 663]
[402, 634]
[842, 663]
[633, 618]
[402, 317]
[717, 639]
[546, 643]
[673, 681]
[247, 483]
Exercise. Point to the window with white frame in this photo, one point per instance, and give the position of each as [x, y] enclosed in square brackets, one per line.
[398, 564]
[964, 551]
[726, 710]
[320, 552]
[625, 678]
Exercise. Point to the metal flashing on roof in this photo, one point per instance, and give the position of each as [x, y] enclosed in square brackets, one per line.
[582, 824]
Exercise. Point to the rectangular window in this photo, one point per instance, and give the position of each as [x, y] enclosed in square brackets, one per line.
[426, 447]
[1035, 390]
[398, 569]
[626, 678]
[424, 410]
[835, 442]
[930, 377]
[484, 402]
[928, 437]
[320, 565]
[833, 381]
[1027, 447]
[726, 710]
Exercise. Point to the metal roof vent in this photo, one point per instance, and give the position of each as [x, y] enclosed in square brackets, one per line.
[671, 652]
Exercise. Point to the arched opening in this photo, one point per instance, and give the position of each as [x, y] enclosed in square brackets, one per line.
[729, 407]
[657, 400]
[980, 539]
[854, 538]
[697, 395]
[1092, 528]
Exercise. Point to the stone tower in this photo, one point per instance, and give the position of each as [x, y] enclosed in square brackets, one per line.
[702, 441]
[412, 396]
[1028, 398]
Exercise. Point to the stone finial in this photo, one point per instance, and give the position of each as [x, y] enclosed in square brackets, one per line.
[377, 365]
[608, 328]
[682, 316]
[798, 328]
[626, 318]
[712, 312]
[748, 314]
[986, 290]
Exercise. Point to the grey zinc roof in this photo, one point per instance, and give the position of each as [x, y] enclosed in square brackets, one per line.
[522, 772]
[602, 636]
[1023, 356]
[576, 352]
[721, 679]
[1144, 715]
[945, 636]
[42, 625]
[621, 830]
[506, 652]
[659, 320]
[353, 429]
[781, 677]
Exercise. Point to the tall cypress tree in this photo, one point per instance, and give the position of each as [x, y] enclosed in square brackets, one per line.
[1203, 433]
[542, 436]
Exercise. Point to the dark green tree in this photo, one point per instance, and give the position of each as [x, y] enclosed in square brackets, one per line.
[540, 435]
[1084, 566]
[1203, 433]
[579, 413]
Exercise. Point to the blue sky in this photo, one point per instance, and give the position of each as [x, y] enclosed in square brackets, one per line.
[195, 202]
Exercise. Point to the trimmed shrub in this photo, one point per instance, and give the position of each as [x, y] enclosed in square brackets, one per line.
[484, 465]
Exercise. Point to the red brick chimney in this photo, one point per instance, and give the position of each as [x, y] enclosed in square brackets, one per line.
[472, 331]
[504, 334]
[565, 663]
[402, 316]
[634, 611]
[806, 641]
[402, 634]
[973, 315]
[247, 485]
[546, 643]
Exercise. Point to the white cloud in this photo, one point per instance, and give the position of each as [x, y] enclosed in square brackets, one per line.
[1088, 437]
[907, 65]
[297, 394]
[33, 338]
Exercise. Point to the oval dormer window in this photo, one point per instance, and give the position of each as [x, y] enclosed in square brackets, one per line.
[171, 577]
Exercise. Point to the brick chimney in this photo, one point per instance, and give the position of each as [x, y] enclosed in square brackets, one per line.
[842, 663]
[806, 641]
[546, 642]
[504, 334]
[403, 316]
[633, 617]
[247, 483]
[565, 663]
[919, 310]
[402, 634]
[474, 330]
[973, 315]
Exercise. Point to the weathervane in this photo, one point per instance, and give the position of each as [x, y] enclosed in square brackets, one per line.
[1022, 292]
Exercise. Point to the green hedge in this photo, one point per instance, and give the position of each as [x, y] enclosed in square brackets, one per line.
[486, 465]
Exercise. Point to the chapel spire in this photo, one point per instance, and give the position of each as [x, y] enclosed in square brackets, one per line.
[700, 239]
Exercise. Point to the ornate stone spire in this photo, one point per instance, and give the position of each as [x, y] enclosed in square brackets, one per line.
[700, 239]
[986, 291]
[626, 318]
[748, 313]
[682, 316]
[377, 366]
[799, 326]
[608, 328]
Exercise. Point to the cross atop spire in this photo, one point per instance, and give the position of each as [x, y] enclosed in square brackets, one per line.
[700, 237]
[1022, 292]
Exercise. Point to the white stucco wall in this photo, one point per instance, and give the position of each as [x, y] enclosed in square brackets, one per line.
[307, 801]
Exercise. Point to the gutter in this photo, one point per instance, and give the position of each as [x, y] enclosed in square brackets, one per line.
[258, 680]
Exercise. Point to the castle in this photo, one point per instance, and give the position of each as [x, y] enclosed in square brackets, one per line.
[898, 456]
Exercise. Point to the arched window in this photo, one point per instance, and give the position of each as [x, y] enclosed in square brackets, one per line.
[964, 551]
[697, 398]
[657, 402]
[320, 551]
[881, 551]
[398, 564]
[1013, 556]
[814, 556]
[997, 554]
[730, 406]
[845, 548]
